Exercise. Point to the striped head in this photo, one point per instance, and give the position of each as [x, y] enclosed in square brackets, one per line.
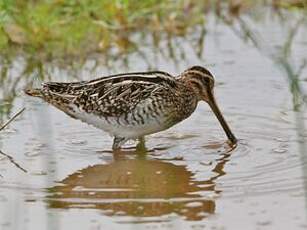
[201, 80]
[202, 83]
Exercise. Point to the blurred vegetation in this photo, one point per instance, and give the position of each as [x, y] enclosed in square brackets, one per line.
[75, 28]
[58, 28]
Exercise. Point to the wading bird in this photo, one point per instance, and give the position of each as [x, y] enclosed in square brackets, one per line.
[132, 105]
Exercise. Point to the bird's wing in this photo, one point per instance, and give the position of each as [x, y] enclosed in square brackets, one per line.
[112, 95]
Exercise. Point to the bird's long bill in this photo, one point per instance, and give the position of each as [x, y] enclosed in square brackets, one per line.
[218, 114]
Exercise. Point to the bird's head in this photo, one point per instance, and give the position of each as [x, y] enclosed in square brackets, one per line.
[202, 83]
[201, 80]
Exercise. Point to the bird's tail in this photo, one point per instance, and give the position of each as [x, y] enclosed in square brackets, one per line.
[34, 92]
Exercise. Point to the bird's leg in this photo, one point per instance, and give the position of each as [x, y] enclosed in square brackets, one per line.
[141, 145]
[118, 142]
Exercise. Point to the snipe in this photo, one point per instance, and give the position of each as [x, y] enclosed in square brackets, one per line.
[132, 105]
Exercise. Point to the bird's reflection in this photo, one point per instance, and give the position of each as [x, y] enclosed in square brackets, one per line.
[139, 188]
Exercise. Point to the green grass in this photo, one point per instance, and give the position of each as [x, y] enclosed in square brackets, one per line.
[75, 28]
[57, 28]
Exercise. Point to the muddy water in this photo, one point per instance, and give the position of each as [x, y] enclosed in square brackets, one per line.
[188, 178]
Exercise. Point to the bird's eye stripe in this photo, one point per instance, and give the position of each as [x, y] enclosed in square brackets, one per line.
[200, 69]
[196, 72]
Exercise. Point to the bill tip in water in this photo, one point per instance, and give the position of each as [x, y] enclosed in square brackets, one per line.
[233, 142]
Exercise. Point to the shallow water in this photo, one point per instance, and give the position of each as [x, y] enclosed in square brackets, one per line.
[188, 178]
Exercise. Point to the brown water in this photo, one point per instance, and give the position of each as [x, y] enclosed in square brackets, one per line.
[188, 178]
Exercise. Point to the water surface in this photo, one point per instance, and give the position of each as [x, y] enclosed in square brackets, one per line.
[188, 178]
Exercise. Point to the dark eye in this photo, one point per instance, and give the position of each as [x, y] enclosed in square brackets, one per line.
[198, 85]
[205, 80]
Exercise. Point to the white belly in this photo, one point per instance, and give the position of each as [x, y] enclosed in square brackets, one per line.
[119, 126]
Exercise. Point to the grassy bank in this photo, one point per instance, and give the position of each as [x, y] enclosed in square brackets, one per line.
[75, 28]
[71, 27]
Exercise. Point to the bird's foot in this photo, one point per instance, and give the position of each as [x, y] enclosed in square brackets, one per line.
[118, 142]
[140, 147]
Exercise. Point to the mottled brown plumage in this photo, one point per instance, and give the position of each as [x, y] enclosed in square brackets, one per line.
[132, 105]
